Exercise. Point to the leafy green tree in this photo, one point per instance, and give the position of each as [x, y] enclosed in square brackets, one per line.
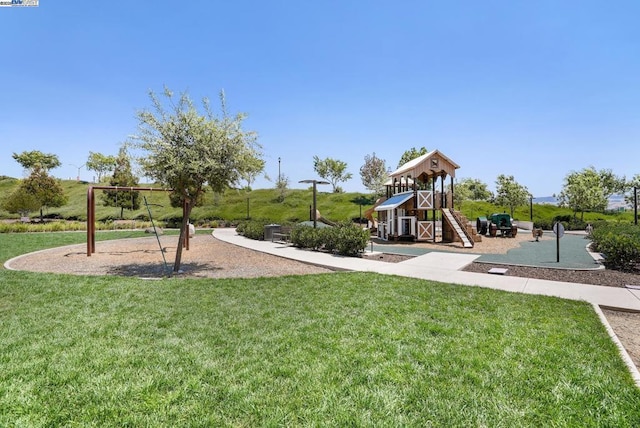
[122, 177]
[253, 167]
[629, 186]
[35, 158]
[510, 193]
[20, 201]
[611, 183]
[45, 189]
[374, 174]
[589, 190]
[333, 170]
[282, 184]
[469, 189]
[411, 154]
[100, 164]
[478, 191]
[186, 149]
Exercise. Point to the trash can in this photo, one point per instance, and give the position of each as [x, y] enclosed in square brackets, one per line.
[269, 230]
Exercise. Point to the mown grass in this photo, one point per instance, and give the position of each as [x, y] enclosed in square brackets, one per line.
[347, 349]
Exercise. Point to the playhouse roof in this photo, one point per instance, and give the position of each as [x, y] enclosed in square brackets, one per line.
[433, 163]
[395, 201]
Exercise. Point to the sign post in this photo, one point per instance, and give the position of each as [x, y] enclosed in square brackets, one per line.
[558, 229]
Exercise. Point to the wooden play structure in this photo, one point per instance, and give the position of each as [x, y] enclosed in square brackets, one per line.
[413, 207]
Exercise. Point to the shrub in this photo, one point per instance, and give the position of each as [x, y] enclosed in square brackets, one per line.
[252, 229]
[330, 236]
[172, 221]
[620, 243]
[344, 238]
[567, 221]
[543, 223]
[306, 237]
[352, 240]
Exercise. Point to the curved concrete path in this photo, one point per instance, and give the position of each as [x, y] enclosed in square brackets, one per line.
[445, 267]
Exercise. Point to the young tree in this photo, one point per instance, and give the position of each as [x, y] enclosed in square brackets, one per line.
[122, 177]
[374, 174]
[469, 189]
[35, 158]
[589, 190]
[282, 184]
[333, 170]
[187, 150]
[20, 201]
[100, 164]
[611, 183]
[478, 190]
[411, 154]
[509, 193]
[254, 166]
[45, 189]
[629, 186]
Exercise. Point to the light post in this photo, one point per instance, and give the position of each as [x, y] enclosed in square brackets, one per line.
[79, 168]
[315, 183]
[360, 200]
[531, 207]
[278, 170]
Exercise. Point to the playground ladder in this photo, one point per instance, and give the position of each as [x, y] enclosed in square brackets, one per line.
[453, 221]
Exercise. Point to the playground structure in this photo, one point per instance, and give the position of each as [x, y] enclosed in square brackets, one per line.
[412, 196]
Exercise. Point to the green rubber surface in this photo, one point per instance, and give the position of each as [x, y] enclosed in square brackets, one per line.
[573, 252]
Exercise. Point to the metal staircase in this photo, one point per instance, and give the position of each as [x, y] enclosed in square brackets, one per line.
[460, 229]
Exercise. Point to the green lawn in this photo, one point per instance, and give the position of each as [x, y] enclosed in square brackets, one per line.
[343, 349]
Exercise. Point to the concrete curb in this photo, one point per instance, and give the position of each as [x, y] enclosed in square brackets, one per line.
[635, 374]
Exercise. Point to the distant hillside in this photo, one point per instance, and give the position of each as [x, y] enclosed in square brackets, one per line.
[546, 200]
[266, 204]
[616, 202]
[232, 205]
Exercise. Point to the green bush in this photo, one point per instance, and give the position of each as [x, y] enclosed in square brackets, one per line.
[620, 244]
[306, 237]
[352, 240]
[344, 239]
[172, 221]
[252, 229]
[330, 237]
[543, 223]
[567, 221]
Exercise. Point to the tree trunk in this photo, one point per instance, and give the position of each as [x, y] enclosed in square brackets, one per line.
[184, 229]
[41, 215]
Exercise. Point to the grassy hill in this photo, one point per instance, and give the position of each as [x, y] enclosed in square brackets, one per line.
[265, 204]
[232, 205]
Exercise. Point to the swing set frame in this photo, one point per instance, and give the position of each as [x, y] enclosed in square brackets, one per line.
[91, 212]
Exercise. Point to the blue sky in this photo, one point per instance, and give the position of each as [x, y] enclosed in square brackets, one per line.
[529, 89]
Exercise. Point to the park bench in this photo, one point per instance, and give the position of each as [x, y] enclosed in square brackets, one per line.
[284, 235]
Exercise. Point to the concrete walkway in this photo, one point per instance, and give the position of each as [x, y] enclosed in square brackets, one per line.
[445, 267]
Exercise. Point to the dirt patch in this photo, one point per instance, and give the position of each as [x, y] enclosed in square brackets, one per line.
[207, 257]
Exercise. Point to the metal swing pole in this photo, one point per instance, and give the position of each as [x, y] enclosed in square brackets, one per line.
[91, 210]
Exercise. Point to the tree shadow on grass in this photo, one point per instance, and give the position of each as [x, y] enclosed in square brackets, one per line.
[159, 270]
